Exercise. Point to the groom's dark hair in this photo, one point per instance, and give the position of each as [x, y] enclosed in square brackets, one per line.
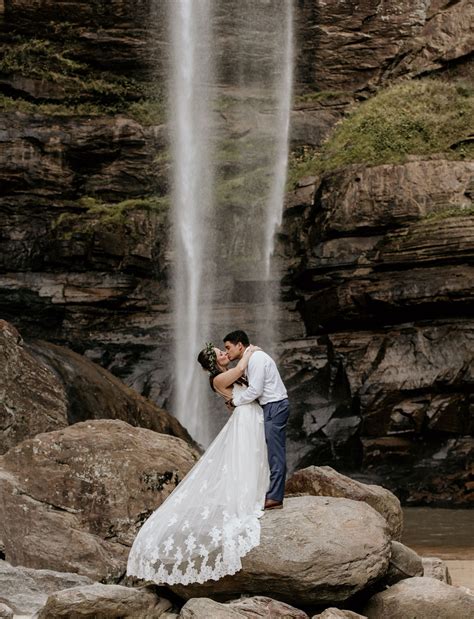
[237, 337]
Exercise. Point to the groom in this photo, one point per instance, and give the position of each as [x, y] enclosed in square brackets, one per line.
[266, 386]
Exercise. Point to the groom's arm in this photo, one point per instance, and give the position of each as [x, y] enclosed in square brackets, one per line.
[256, 377]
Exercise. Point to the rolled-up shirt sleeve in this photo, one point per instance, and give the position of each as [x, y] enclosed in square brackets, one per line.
[256, 374]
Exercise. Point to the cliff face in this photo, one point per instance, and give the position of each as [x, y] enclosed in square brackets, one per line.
[377, 276]
[384, 286]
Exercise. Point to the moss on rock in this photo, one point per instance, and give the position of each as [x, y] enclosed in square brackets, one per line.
[424, 117]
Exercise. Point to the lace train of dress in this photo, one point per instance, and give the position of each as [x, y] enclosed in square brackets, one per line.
[210, 521]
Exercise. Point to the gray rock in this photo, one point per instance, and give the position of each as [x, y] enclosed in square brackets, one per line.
[246, 607]
[404, 563]
[423, 598]
[325, 481]
[316, 550]
[37, 402]
[202, 608]
[105, 601]
[5, 611]
[261, 606]
[337, 613]
[436, 568]
[26, 590]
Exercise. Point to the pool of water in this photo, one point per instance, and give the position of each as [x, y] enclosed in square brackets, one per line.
[443, 533]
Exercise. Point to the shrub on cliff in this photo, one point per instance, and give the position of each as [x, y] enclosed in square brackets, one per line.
[421, 117]
[410, 118]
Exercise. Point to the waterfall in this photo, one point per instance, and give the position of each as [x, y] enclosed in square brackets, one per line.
[283, 86]
[231, 91]
[190, 119]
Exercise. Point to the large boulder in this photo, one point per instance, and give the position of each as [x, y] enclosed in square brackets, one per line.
[325, 481]
[315, 551]
[107, 601]
[95, 393]
[26, 590]
[74, 499]
[45, 387]
[245, 607]
[32, 398]
[423, 598]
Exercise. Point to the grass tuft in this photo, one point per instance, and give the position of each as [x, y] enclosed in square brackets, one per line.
[410, 118]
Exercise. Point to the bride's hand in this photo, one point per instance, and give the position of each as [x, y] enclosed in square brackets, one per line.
[252, 348]
[243, 363]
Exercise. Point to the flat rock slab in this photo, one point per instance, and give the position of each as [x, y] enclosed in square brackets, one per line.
[105, 601]
[338, 613]
[423, 598]
[316, 550]
[26, 590]
[244, 608]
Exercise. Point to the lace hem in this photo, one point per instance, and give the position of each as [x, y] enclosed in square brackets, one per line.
[226, 558]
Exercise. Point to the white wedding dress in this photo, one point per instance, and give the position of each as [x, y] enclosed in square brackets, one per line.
[211, 520]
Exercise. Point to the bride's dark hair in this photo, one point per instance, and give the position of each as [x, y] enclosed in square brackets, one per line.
[208, 360]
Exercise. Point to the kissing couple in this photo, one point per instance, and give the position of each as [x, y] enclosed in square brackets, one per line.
[211, 520]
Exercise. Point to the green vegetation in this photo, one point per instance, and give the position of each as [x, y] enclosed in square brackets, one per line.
[52, 62]
[93, 211]
[83, 90]
[450, 211]
[303, 161]
[37, 58]
[8, 104]
[147, 111]
[321, 96]
[244, 189]
[112, 210]
[410, 118]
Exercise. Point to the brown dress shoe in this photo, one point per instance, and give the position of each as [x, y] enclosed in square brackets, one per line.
[272, 504]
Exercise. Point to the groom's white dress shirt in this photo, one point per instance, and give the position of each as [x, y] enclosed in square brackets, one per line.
[265, 384]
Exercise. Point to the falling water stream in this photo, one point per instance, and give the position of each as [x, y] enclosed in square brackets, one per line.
[231, 87]
[190, 112]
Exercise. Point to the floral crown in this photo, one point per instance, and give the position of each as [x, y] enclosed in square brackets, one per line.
[211, 357]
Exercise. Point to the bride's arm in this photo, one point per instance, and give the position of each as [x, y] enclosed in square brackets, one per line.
[228, 378]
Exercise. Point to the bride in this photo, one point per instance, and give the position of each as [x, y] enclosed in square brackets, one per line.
[211, 520]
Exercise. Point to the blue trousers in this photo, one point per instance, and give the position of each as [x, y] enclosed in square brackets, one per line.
[275, 415]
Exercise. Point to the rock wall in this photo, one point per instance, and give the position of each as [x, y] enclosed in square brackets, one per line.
[377, 285]
[384, 286]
